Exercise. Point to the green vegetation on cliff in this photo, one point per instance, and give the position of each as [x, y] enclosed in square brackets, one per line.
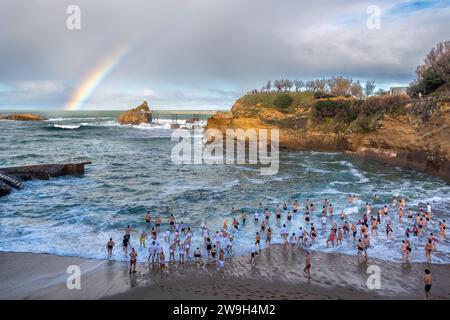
[268, 99]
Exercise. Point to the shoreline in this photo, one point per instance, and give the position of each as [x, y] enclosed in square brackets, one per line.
[278, 274]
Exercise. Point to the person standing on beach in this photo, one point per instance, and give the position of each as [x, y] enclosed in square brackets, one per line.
[133, 258]
[428, 281]
[253, 254]
[307, 268]
[157, 222]
[110, 245]
[162, 261]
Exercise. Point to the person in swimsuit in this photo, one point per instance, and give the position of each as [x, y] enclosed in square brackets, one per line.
[312, 232]
[125, 243]
[147, 217]
[331, 237]
[442, 232]
[267, 214]
[403, 248]
[428, 249]
[213, 252]
[361, 251]
[110, 245]
[157, 223]
[268, 236]
[221, 260]
[339, 236]
[133, 258]
[181, 253]
[197, 254]
[151, 252]
[307, 268]
[289, 216]
[142, 239]
[253, 254]
[354, 231]
[235, 224]
[258, 240]
[172, 253]
[243, 217]
[428, 281]
[263, 226]
[408, 250]
[162, 261]
[208, 247]
[172, 222]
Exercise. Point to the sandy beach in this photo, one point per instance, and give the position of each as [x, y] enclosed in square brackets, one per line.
[277, 275]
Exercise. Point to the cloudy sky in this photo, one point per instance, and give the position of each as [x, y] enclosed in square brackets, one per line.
[203, 54]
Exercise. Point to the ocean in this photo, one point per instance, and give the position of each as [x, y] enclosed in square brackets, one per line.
[132, 172]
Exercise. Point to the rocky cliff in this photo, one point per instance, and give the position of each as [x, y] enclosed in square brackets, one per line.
[23, 117]
[138, 115]
[418, 138]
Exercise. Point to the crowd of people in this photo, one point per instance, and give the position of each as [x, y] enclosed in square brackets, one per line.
[178, 237]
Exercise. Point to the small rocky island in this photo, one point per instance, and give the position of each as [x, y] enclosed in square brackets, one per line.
[23, 117]
[13, 177]
[136, 116]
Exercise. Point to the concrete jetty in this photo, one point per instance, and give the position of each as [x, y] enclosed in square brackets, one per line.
[13, 177]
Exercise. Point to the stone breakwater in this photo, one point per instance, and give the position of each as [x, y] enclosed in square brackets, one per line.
[13, 177]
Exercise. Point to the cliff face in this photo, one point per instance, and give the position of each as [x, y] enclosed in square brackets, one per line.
[23, 117]
[138, 115]
[404, 140]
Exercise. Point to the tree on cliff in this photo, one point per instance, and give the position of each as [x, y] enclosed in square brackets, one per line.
[434, 72]
[268, 85]
[369, 88]
[299, 84]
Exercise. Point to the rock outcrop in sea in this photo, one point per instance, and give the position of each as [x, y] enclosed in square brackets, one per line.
[418, 138]
[136, 116]
[23, 117]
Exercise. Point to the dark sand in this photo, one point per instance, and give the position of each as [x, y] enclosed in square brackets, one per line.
[278, 275]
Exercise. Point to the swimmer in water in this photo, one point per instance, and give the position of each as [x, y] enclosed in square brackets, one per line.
[331, 237]
[243, 217]
[110, 245]
[125, 243]
[268, 236]
[147, 217]
[142, 239]
[157, 222]
[354, 231]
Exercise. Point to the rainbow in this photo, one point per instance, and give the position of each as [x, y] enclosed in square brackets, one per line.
[94, 78]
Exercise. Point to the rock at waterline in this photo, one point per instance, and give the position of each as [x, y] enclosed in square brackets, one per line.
[4, 189]
[136, 116]
[23, 117]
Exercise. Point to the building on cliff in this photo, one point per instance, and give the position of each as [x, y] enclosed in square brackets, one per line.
[398, 91]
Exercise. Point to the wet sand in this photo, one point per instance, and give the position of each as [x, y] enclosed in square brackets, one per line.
[277, 275]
